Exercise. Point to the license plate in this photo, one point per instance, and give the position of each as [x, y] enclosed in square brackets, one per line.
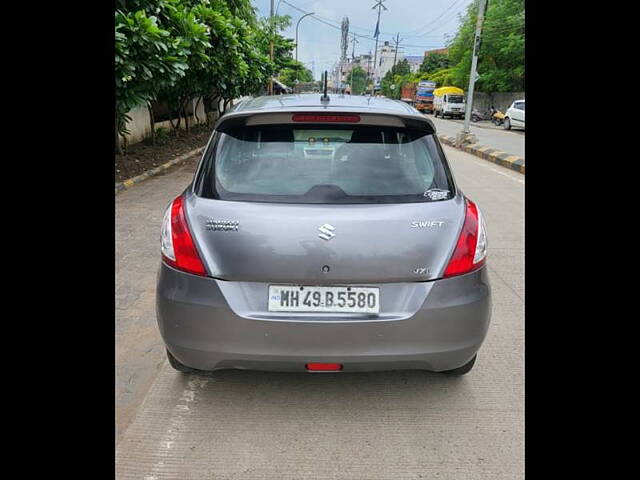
[288, 298]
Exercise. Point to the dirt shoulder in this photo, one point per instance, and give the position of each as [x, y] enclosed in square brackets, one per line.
[143, 156]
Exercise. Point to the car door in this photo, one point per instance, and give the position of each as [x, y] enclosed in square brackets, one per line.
[517, 115]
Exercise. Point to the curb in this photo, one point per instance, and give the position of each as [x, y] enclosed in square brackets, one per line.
[120, 186]
[512, 162]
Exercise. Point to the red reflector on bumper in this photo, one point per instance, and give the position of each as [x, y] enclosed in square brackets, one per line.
[324, 367]
[310, 117]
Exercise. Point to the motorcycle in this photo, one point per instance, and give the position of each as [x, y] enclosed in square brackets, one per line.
[497, 118]
[477, 115]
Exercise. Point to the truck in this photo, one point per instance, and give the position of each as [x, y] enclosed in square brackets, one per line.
[419, 95]
[408, 93]
[424, 96]
[449, 101]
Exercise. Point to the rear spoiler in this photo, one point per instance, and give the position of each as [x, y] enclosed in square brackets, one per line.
[257, 117]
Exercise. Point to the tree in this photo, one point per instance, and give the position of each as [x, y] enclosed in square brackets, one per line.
[288, 76]
[187, 24]
[180, 50]
[357, 80]
[147, 59]
[501, 55]
[442, 77]
[401, 68]
[391, 83]
[434, 62]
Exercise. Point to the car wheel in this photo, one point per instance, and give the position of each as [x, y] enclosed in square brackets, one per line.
[463, 369]
[177, 365]
[507, 123]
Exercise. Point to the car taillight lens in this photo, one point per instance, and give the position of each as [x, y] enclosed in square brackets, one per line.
[471, 249]
[177, 246]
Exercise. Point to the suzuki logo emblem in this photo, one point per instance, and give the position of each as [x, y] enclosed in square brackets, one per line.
[326, 232]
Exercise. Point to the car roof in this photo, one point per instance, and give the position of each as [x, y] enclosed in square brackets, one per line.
[311, 102]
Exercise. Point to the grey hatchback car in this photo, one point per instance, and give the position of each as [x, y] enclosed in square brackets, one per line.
[323, 235]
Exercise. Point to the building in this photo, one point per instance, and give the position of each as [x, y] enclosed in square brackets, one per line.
[341, 72]
[437, 50]
[384, 61]
[414, 62]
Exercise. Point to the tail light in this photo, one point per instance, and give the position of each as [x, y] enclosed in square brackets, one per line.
[471, 249]
[177, 247]
[312, 117]
[324, 367]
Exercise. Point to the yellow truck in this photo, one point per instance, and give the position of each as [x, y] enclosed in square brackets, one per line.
[449, 101]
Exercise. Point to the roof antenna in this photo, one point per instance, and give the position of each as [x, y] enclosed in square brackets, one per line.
[324, 98]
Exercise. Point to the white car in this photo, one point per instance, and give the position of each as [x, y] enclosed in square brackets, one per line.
[515, 115]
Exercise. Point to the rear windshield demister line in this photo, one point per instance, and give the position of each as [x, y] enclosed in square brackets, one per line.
[324, 163]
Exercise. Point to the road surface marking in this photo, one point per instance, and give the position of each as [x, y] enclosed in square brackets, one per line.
[519, 180]
[176, 421]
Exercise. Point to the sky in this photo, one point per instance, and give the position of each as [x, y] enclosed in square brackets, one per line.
[422, 25]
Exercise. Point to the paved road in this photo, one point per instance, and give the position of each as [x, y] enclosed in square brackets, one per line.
[253, 425]
[510, 141]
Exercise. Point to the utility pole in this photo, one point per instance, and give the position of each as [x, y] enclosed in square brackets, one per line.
[465, 136]
[369, 69]
[353, 50]
[376, 34]
[395, 56]
[353, 59]
[270, 85]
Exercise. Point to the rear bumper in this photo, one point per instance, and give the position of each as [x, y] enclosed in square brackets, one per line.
[211, 324]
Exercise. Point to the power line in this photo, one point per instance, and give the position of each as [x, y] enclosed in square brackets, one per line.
[432, 21]
[408, 34]
[337, 27]
[439, 26]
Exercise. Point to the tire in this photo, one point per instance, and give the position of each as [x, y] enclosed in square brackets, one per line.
[177, 365]
[475, 119]
[466, 368]
[507, 123]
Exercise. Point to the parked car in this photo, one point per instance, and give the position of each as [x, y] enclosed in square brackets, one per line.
[514, 117]
[323, 236]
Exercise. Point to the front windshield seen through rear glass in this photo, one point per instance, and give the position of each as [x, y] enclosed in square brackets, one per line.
[326, 164]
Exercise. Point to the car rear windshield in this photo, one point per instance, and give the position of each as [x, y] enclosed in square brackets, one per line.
[325, 164]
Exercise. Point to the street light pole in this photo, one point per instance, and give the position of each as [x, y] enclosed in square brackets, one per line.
[297, 25]
[482, 5]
